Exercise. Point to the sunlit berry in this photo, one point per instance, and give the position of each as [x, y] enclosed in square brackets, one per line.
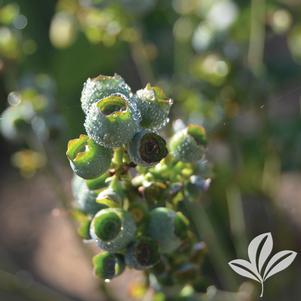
[112, 121]
[154, 107]
[88, 159]
[189, 144]
[107, 265]
[100, 87]
[168, 228]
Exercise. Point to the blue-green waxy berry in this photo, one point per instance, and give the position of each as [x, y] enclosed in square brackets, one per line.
[85, 199]
[112, 121]
[142, 254]
[168, 228]
[100, 87]
[113, 229]
[107, 265]
[15, 121]
[88, 159]
[147, 148]
[189, 144]
[154, 107]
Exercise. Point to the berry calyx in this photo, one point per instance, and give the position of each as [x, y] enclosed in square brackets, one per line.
[147, 148]
[88, 159]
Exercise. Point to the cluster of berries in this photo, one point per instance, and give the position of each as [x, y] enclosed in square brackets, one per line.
[130, 185]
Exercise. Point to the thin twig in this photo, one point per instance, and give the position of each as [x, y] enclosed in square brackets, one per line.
[257, 36]
[30, 290]
[237, 223]
[141, 60]
[205, 230]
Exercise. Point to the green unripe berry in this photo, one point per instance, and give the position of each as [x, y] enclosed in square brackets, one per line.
[189, 144]
[108, 265]
[142, 254]
[107, 226]
[112, 121]
[88, 159]
[154, 107]
[84, 228]
[100, 87]
[113, 229]
[85, 198]
[181, 225]
[147, 148]
[167, 227]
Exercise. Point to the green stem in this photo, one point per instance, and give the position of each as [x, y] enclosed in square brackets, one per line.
[236, 217]
[205, 230]
[141, 60]
[32, 291]
[257, 36]
[118, 157]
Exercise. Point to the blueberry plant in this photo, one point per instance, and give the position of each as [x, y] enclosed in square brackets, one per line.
[31, 121]
[131, 184]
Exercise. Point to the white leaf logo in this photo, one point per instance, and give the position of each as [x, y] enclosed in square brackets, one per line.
[258, 267]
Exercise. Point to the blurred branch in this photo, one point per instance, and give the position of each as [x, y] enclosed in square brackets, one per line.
[30, 289]
[236, 219]
[206, 231]
[257, 36]
[141, 60]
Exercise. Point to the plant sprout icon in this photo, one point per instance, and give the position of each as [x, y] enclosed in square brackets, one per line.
[261, 267]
